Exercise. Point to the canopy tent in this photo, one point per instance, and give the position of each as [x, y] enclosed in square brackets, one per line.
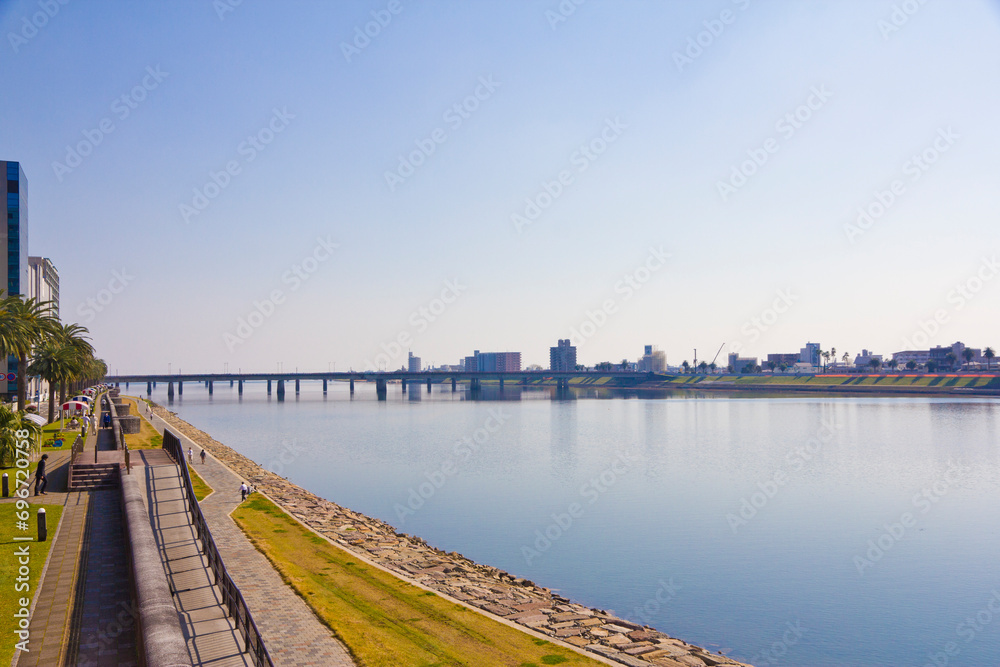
[36, 419]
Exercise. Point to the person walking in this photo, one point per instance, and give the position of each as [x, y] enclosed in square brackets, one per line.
[107, 420]
[203, 457]
[40, 477]
[244, 490]
[190, 455]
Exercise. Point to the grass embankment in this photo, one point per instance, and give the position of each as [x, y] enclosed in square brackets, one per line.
[9, 597]
[201, 489]
[147, 437]
[384, 621]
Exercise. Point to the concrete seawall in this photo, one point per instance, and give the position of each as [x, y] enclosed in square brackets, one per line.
[486, 589]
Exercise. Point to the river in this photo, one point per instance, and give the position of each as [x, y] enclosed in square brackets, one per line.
[803, 530]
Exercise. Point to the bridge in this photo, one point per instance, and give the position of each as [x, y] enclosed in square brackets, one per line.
[380, 378]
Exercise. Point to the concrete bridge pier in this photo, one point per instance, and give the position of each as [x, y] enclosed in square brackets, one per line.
[352, 385]
[453, 385]
[281, 390]
[230, 383]
[501, 384]
[428, 385]
[268, 387]
[240, 389]
[170, 389]
[379, 389]
[126, 386]
[211, 386]
[149, 388]
[296, 385]
[475, 385]
[324, 386]
[180, 387]
[403, 383]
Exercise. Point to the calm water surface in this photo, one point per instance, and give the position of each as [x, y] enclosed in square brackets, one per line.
[794, 531]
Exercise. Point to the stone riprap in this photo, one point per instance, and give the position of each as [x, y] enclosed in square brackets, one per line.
[487, 588]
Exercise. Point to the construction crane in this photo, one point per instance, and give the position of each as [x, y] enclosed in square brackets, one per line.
[717, 353]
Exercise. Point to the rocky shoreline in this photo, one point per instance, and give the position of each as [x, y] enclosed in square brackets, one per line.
[487, 588]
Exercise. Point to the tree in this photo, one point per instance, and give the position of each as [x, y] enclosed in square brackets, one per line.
[989, 354]
[783, 367]
[826, 359]
[846, 358]
[624, 364]
[874, 362]
[952, 360]
[772, 365]
[892, 363]
[703, 366]
[911, 365]
[968, 354]
[931, 366]
[686, 366]
[833, 354]
[10, 422]
[713, 366]
[53, 360]
[37, 321]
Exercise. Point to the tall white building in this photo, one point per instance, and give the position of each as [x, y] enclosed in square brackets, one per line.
[43, 281]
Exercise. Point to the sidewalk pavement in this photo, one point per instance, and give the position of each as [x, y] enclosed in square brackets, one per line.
[293, 634]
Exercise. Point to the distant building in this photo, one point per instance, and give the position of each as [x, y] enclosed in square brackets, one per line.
[789, 359]
[739, 364]
[919, 357]
[810, 354]
[864, 359]
[562, 357]
[43, 282]
[493, 362]
[413, 364]
[14, 247]
[653, 360]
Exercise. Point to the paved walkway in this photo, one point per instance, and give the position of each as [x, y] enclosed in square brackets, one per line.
[211, 636]
[82, 613]
[293, 634]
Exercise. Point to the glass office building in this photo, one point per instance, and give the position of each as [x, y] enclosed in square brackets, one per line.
[15, 246]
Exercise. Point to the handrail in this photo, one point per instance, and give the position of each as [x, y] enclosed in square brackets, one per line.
[232, 598]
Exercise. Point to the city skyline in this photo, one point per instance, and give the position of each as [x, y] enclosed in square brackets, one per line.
[263, 184]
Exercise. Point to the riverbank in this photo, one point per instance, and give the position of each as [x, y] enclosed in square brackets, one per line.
[487, 589]
[902, 384]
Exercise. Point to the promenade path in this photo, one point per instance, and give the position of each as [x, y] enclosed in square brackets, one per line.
[82, 612]
[294, 636]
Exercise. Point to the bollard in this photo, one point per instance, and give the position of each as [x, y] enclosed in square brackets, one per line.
[42, 528]
[6, 487]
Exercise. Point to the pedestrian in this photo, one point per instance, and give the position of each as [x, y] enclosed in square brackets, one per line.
[203, 457]
[244, 490]
[190, 455]
[41, 481]
[107, 420]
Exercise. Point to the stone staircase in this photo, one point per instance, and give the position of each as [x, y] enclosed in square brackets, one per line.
[94, 476]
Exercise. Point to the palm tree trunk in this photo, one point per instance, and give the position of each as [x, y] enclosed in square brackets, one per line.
[52, 401]
[22, 381]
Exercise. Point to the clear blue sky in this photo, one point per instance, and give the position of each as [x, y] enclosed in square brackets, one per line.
[330, 121]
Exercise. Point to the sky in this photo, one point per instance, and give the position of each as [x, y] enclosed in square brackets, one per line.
[259, 185]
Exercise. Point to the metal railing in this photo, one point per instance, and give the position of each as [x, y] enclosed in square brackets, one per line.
[232, 598]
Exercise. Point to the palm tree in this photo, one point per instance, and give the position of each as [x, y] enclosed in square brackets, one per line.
[36, 321]
[892, 363]
[826, 359]
[10, 422]
[686, 366]
[952, 360]
[74, 336]
[911, 365]
[874, 362]
[968, 354]
[833, 354]
[624, 364]
[713, 366]
[53, 360]
[989, 354]
[846, 358]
